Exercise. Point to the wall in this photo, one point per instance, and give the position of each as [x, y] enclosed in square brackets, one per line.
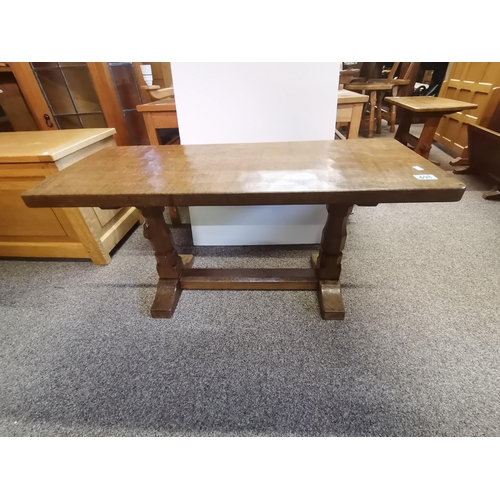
[221, 103]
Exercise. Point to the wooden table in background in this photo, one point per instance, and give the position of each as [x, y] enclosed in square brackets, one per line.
[376, 91]
[158, 115]
[349, 110]
[338, 174]
[431, 109]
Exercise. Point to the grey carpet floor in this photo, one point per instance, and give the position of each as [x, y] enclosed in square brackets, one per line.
[417, 355]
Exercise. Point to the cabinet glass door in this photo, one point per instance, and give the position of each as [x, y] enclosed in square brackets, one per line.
[15, 115]
[129, 97]
[70, 94]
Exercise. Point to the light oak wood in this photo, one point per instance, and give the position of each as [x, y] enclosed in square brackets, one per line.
[167, 104]
[145, 97]
[423, 104]
[349, 110]
[472, 82]
[105, 90]
[33, 95]
[14, 105]
[349, 97]
[157, 93]
[26, 147]
[27, 158]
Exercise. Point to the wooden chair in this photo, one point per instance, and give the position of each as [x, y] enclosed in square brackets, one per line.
[156, 93]
[376, 92]
[397, 87]
[376, 88]
[346, 75]
[400, 87]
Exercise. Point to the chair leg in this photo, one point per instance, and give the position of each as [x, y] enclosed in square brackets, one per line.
[380, 96]
[392, 111]
[392, 124]
[371, 125]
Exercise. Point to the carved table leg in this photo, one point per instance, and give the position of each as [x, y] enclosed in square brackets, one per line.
[424, 144]
[169, 263]
[328, 265]
[403, 131]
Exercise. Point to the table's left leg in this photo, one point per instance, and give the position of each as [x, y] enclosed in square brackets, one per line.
[169, 263]
[328, 265]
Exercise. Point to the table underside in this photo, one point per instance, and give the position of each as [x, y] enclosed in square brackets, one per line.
[176, 272]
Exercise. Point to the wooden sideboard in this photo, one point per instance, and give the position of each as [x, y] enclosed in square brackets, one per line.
[26, 159]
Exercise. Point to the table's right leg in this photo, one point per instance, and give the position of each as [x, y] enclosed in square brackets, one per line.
[169, 263]
[328, 265]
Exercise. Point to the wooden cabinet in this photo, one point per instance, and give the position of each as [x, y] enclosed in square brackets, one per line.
[26, 159]
[470, 82]
[73, 95]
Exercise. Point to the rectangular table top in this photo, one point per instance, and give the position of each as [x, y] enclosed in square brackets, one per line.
[349, 97]
[357, 171]
[424, 104]
[47, 145]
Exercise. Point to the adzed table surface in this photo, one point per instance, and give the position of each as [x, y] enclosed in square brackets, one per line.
[336, 173]
[315, 172]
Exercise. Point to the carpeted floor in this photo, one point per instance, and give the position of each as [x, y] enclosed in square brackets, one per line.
[417, 355]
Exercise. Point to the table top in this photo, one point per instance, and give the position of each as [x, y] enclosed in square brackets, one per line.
[47, 145]
[167, 104]
[348, 97]
[357, 171]
[368, 86]
[423, 104]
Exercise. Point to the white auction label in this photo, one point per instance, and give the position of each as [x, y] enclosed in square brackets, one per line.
[418, 168]
[425, 177]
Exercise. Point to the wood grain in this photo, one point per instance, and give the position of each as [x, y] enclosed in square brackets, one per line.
[249, 279]
[423, 104]
[331, 303]
[45, 146]
[105, 90]
[316, 172]
[34, 97]
[27, 158]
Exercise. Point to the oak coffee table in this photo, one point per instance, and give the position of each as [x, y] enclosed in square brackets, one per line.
[431, 109]
[337, 174]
